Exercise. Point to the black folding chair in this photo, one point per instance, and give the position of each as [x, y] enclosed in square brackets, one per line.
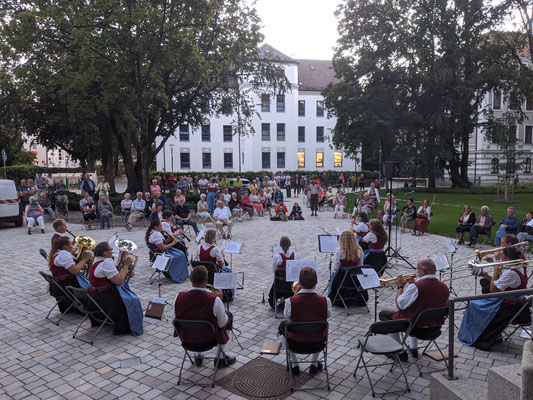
[44, 254]
[81, 300]
[282, 288]
[211, 267]
[302, 347]
[377, 342]
[196, 325]
[519, 321]
[428, 333]
[351, 283]
[64, 296]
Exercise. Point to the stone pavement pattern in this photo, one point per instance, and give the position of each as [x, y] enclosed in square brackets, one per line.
[41, 360]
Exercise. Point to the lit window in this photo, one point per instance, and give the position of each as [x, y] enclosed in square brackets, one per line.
[265, 103]
[337, 159]
[228, 160]
[319, 108]
[320, 159]
[301, 159]
[280, 103]
[527, 165]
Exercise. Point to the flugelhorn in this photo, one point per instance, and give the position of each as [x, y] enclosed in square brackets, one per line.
[482, 253]
[126, 247]
[85, 244]
[384, 282]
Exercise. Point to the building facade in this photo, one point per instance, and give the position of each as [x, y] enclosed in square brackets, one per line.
[44, 157]
[291, 131]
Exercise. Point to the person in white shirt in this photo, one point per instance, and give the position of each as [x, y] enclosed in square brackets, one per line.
[137, 211]
[202, 184]
[340, 204]
[222, 215]
[168, 230]
[279, 265]
[209, 251]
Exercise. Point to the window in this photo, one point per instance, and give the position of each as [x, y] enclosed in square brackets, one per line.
[228, 134]
[281, 132]
[301, 159]
[528, 137]
[184, 133]
[265, 160]
[265, 102]
[497, 101]
[337, 159]
[185, 160]
[527, 165]
[226, 107]
[34, 146]
[320, 108]
[494, 166]
[206, 160]
[228, 160]
[319, 159]
[280, 103]
[529, 105]
[60, 155]
[281, 160]
[206, 133]
[320, 134]
[301, 108]
[301, 134]
[265, 132]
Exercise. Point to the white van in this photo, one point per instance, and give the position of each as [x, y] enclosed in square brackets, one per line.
[9, 205]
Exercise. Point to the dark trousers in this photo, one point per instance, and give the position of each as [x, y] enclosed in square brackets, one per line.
[386, 315]
[476, 230]
[485, 285]
[189, 222]
[288, 189]
[314, 202]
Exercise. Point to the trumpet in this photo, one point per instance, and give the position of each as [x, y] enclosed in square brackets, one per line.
[384, 282]
[126, 247]
[482, 253]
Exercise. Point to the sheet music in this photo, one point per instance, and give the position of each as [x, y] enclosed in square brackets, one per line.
[369, 279]
[450, 246]
[233, 247]
[158, 300]
[200, 234]
[441, 261]
[524, 334]
[278, 249]
[293, 268]
[112, 243]
[160, 263]
[225, 280]
[327, 243]
[338, 230]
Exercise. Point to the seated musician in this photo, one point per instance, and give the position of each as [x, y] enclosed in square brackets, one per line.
[109, 289]
[201, 303]
[305, 306]
[484, 320]
[209, 251]
[348, 254]
[64, 269]
[377, 240]
[60, 228]
[360, 228]
[177, 269]
[507, 240]
[169, 231]
[426, 292]
[279, 263]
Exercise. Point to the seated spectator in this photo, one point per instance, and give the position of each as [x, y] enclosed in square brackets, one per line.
[235, 206]
[163, 182]
[296, 213]
[386, 213]
[227, 196]
[408, 214]
[222, 215]
[466, 221]
[322, 195]
[509, 224]
[202, 209]
[151, 205]
[161, 197]
[423, 216]
[182, 185]
[265, 201]
[178, 196]
[246, 204]
[46, 205]
[83, 201]
[357, 205]
[366, 205]
[526, 233]
[125, 205]
[34, 213]
[483, 224]
[154, 188]
[340, 204]
[137, 211]
[256, 202]
[89, 212]
[330, 196]
[105, 211]
[183, 215]
[281, 212]
[158, 212]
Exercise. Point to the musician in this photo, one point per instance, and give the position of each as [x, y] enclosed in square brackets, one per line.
[60, 228]
[170, 232]
[209, 251]
[279, 262]
[156, 242]
[483, 224]
[484, 320]
[466, 221]
[426, 292]
[377, 240]
[305, 306]
[109, 289]
[507, 240]
[65, 269]
[200, 303]
[360, 228]
[348, 254]
[509, 224]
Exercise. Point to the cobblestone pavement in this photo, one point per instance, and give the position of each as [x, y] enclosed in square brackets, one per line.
[41, 360]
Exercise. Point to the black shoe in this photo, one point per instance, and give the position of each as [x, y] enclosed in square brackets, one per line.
[295, 370]
[223, 363]
[129, 227]
[471, 243]
[42, 230]
[29, 231]
[403, 356]
[414, 352]
[198, 360]
[313, 370]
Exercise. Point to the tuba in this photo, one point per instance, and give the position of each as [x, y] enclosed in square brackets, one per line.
[126, 247]
[85, 244]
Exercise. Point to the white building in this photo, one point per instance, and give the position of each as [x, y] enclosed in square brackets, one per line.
[292, 131]
[486, 157]
[44, 157]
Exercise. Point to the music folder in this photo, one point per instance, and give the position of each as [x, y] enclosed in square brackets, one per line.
[271, 347]
[155, 308]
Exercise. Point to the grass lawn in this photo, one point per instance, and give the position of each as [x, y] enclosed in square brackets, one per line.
[448, 208]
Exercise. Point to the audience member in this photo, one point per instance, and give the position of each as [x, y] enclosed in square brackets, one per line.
[526, 233]
[423, 216]
[483, 225]
[408, 214]
[105, 211]
[466, 221]
[509, 224]
[222, 215]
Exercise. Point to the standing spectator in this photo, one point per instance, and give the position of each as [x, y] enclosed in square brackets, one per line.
[237, 185]
[224, 183]
[125, 206]
[202, 184]
[313, 200]
[509, 224]
[362, 182]
[105, 211]
[297, 185]
[103, 188]
[150, 205]
[183, 215]
[137, 211]
[164, 183]
[154, 187]
[24, 193]
[212, 189]
[46, 205]
[466, 221]
[41, 182]
[87, 185]
[353, 180]
[288, 186]
[325, 179]
[61, 192]
[408, 214]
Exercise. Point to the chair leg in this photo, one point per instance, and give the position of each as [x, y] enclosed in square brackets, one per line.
[52, 309]
[99, 328]
[368, 376]
[63, 314]
[217, 359]
[79, 326]
[359, 360]
[181, 368]
[326, 368]
[403, 372]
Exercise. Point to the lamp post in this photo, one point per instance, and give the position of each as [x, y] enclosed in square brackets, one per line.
[172, 157]
[164, 159]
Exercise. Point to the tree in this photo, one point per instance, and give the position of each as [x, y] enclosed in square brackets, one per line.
[137, 69]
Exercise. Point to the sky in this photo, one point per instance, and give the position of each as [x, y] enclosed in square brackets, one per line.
[300, 28]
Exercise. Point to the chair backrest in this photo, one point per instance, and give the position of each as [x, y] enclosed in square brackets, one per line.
[43, 253]
[307, 326]
[196, 326]
[79, 298]
[392, 326]
[280, 273]
[516, 318]
[52, 282]
[429, 315]
[211, 269]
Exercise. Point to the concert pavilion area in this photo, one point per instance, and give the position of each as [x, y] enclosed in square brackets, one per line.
[41, 360]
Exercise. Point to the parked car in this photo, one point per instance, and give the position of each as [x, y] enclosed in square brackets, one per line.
[245, 183]
[9, 205]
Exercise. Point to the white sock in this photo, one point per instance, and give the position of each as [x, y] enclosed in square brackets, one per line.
[314, 358]
[413, 343]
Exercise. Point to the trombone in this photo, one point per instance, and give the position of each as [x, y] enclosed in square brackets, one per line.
[482, 253]
[512, 264]
[384, 282]
[126, 247]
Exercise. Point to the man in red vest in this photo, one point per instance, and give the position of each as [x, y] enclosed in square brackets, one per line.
[426, 292]
[306, 305]
[200, 303]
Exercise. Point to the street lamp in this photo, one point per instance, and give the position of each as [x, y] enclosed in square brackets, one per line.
[172, 157]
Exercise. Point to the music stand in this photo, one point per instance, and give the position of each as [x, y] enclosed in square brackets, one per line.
[328, 244]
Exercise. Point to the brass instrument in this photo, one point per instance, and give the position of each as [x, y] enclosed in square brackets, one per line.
[85, 244]
[512, 264]
[296, 286]
[482, 253]
[126, 247]
[384, 282]
[212, 289]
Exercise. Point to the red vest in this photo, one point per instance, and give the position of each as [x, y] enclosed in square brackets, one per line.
[205, 255]
[59, 273]
[523, 285]
[98, 284]
[377, 247]
[197, 304]
[308, 307]
[432, 293]
[54, 238]
[284, 259]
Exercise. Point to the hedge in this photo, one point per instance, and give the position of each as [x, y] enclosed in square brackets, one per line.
[519, 188]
